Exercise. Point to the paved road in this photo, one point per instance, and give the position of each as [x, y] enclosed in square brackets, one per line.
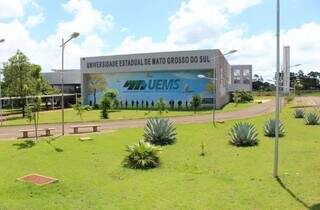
[7, 133]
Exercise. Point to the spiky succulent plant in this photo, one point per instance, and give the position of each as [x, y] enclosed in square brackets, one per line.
[159, 131]
[243, 134]
[270, 128]
[312, 118]
[142, 155]
[298, 113]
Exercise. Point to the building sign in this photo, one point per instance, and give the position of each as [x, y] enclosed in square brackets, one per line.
[148, 61]
[157, 85]
[164, 61]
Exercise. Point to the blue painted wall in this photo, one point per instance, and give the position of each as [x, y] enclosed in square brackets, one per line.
[150, 86]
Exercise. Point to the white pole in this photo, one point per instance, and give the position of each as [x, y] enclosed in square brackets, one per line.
[276, 142]
[62, 86]
[213, 92]
[0, 100]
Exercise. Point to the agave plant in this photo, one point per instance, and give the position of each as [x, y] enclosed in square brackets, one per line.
[270, 128]
[298, 113]
[142, 155]
[159, 132]
[243, 134]
[312, 118]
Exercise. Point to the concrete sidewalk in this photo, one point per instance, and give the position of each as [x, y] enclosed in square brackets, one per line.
[11, 132]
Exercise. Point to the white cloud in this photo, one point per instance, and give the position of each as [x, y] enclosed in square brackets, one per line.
[34, 20]
[202, 24]
[15, 8]
[11, 9]
[86, 19]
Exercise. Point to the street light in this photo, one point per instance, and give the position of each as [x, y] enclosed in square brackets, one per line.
[0, 99]
[276, 142]
[73, 36]
[1, 40]
[214, 79]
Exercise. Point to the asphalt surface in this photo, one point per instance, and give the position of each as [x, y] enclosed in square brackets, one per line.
[11, 132]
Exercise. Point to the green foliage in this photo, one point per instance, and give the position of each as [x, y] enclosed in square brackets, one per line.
[196, 102]
[142, 155]
[109, 100]
[80, 109]
[298, 113]
[33, 109]
[159, 131]
[243, 134]
[242, 97]
[22, 78]
[270, 128]
[312, 118]
[289, 98]
[161, 105]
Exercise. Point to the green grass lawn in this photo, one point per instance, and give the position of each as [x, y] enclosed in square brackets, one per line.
[94, 115]
[227, 177]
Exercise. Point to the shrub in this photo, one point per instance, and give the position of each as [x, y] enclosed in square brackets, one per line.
[80, 109]
[105, 105]
[142, 155]
[270, 128]
[289, 98]
[242, 97]
[195, 102]
[159, 132]
[161, 105]
[312, 118]
[243, 135]
[298, 113]
[109, 100]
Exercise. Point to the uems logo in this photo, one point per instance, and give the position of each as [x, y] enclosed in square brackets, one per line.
[159, 84]
[135, 85]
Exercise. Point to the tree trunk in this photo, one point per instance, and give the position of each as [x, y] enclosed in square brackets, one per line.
[94, 97]
[23, 107]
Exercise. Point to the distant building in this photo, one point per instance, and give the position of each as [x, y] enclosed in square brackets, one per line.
[142, 79]
[71, 77]
[241, 78]
[72, 84]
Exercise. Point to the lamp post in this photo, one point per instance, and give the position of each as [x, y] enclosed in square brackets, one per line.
[276, 142]
[214, 79]
[0, 99]
[1, 41]
[73, 35]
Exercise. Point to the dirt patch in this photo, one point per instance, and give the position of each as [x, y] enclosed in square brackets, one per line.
[38, 179]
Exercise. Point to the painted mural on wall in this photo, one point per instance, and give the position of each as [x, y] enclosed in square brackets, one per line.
[150, 86]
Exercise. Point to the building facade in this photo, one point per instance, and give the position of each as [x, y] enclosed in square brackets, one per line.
[241, 78]
[71, 77]
[174, 76]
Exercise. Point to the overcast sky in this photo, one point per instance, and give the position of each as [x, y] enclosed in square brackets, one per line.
[118, 26]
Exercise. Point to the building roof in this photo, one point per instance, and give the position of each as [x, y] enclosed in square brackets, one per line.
[70, 76]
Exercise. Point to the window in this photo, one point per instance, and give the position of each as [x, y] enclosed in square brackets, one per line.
[236, 76]
[246, 76]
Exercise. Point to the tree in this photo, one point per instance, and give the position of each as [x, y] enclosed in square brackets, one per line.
[258, 84]
[96, 83]
[109, 100]
[161, 105]
[21, 79]
[196, 102]
[80, 109]
[34, 107]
